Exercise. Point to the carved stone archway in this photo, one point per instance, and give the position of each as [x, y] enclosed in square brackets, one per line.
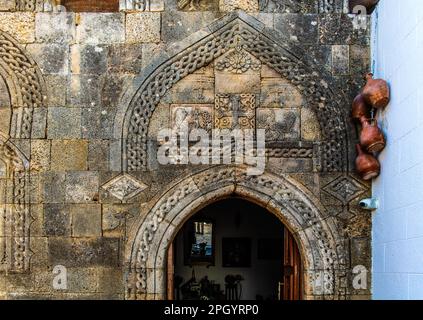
[268, 46]
[321, 245]
[25, 84]
[27, 92]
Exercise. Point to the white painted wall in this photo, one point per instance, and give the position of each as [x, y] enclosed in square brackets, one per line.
[398, 224]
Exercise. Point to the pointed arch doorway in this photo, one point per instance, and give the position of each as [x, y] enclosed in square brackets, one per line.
[234, 249]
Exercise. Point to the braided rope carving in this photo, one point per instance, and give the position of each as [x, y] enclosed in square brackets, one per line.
[281, 191]
[18, 218]
[307, 79]
[27, 92]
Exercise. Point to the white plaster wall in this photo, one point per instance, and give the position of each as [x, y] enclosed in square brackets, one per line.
[398, 224]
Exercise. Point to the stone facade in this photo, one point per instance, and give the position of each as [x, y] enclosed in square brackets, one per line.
[83, 96]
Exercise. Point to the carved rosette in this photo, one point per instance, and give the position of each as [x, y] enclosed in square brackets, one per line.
[294, 68]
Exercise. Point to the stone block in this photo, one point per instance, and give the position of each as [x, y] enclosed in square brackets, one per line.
[39, 248]
[84, 253]
[39, 123]
[159, 120]
[69, 155]
[40, 155]
[82, 187]
[55, 27]
[237, 83]
[359, 59]
[110, 281]
[5, 114]
[179, 25]
[141, 6]
[82, 280]
[56, 90]
[280, 124]
[191, 116]
[301, 28]
[64, 123]
[288, 6]
[53, 187]
[246, 5]
[98, 155]
[7, 5]
[20, 25]
[340, 59]
[360, 251]
[195, 88]
[37, 226]
[125, 58]
[235, 111]
[339, 29]
[278, 92]
[89, 59]
[115, 218]
[310, 126]
[83, 90]
[4, 94]
[98, 28]
[57, 220]
[86, 220]
[52, 58]
[97, 123]
[143, 27]
[115, 85]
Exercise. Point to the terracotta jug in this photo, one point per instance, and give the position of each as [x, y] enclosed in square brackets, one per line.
[371, 137]
[368, 4]
[376, 92]
[367, 166]
[360, 108]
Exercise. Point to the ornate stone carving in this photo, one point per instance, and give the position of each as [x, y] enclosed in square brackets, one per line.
[192, 116]
[25, 84]
[285, 196]
[306, 77]
[345, 189]
[238, 61]
[280, 124]
[15, 217]
[138, 5]
[197, 5]
[301, 6]
[291, 6]
[235, 111]
[36, 5]
[124, 187]
[295, 153]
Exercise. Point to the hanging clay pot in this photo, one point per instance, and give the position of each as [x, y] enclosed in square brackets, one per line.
[376, 92]
[360, 108]
[367, 166]
[370, 5]
[371, 137]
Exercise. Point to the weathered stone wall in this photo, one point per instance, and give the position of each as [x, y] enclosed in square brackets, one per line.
[78, 177]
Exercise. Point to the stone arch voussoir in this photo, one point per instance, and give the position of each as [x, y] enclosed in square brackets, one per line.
[319, 241]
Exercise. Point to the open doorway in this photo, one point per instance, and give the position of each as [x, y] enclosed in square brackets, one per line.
[234, 250]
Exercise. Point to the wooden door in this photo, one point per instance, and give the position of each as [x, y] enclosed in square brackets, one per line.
[291, 288]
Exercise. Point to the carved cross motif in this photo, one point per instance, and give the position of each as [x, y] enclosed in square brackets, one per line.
[235, 111]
